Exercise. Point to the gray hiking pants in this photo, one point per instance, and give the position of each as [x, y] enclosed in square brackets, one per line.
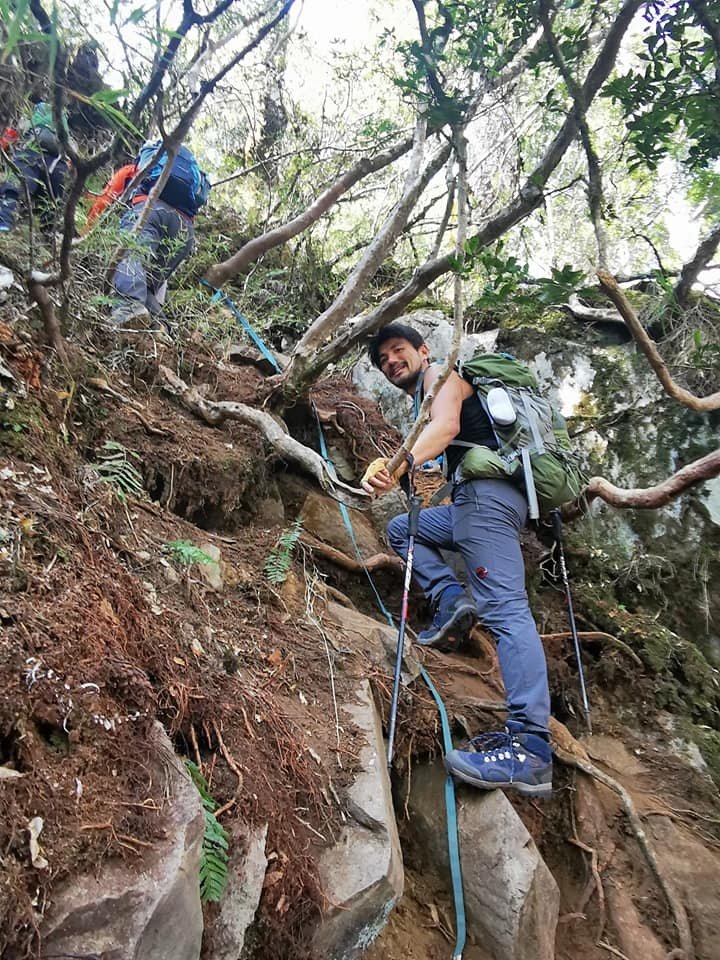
[483, 524]
[160, 247]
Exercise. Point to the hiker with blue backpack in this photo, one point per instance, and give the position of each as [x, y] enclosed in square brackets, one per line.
[165, 239]
[477, 422]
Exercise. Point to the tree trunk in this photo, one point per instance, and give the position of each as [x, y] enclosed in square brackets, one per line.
[691, 270]
[672, 389]
[303, 368]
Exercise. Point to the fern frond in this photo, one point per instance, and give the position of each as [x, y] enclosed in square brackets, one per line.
[115, 468]
[214, 873]
[279, 560]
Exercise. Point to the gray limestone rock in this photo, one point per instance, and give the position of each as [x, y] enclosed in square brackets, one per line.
[242, 896]
[147, 911]
[511, 898]
[370, 638]
[362, 874]
[322, 518]
[211, 573]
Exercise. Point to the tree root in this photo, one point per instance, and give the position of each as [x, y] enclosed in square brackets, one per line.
[595, 870]
[570, 752]
[230, 760]
[378, 561]
[591, 635]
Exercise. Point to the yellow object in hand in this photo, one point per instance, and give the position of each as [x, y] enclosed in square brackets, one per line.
[378, 464]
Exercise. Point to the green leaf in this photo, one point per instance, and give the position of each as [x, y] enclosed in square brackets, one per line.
[15, 29]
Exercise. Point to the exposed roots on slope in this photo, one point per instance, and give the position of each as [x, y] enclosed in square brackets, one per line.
[570, 752]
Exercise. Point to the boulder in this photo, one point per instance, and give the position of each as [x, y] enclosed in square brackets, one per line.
[362, 874]
[242, 895]
[321, 517]
[371, 639]
[211, 573]
[139, 911]
[511, 898]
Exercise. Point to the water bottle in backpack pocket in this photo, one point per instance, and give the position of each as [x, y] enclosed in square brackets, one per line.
[187, 187]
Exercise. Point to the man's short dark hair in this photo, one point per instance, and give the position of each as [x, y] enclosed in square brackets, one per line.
[390, 332]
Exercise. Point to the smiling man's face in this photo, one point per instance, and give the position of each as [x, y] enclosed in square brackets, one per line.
[402, 363]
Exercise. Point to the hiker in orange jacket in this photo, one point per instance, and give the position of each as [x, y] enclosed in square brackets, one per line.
[114, 188]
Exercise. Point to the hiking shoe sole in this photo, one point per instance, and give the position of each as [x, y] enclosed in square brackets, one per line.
[540, 790]
[452, 634]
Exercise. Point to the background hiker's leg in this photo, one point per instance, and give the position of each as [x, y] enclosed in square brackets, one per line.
[9, 193]
[52, 187]
[176, 242]
[13, 193]
[130, 279]
[488, 517]
[430, 571]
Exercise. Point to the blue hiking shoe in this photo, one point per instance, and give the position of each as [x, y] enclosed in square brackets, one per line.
[454, 619]
[521, 761]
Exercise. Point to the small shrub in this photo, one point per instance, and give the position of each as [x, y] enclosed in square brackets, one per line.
[185, 553]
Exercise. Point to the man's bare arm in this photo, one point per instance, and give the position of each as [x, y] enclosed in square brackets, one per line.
[443, 427]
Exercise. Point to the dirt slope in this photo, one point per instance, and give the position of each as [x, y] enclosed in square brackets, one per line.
[109, 622]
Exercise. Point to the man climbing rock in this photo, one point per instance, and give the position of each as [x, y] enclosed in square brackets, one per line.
[483, 524]
[165, 238]
[39, 170]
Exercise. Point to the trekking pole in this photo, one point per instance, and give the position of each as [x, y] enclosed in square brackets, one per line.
[414, 504]
[557, 533]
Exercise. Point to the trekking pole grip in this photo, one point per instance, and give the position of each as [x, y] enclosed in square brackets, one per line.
[557, 524]
[414, 515]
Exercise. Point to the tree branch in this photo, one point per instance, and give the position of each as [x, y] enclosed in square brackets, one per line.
[378, 561]
[689, 273]
[650, 498]
[706, 20]
[527, 199]
[461, 236]
[595, 185]
[701, 404]
[301, 370]
[220, 273]
[168, 55]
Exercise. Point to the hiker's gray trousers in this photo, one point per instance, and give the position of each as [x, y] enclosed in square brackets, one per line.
[483, 524]
[161, 246]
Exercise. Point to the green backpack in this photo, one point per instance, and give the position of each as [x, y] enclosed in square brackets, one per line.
[535, 449]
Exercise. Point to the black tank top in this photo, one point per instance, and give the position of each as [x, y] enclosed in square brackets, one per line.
[474, 428]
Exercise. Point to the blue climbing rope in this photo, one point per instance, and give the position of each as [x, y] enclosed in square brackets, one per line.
[217, 297]
[452, 826]
[450, 804]
[348, 523]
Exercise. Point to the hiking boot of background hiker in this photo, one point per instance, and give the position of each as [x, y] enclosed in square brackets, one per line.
[134, 318]
[454, 619]
[521, 761]
[130, 313]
